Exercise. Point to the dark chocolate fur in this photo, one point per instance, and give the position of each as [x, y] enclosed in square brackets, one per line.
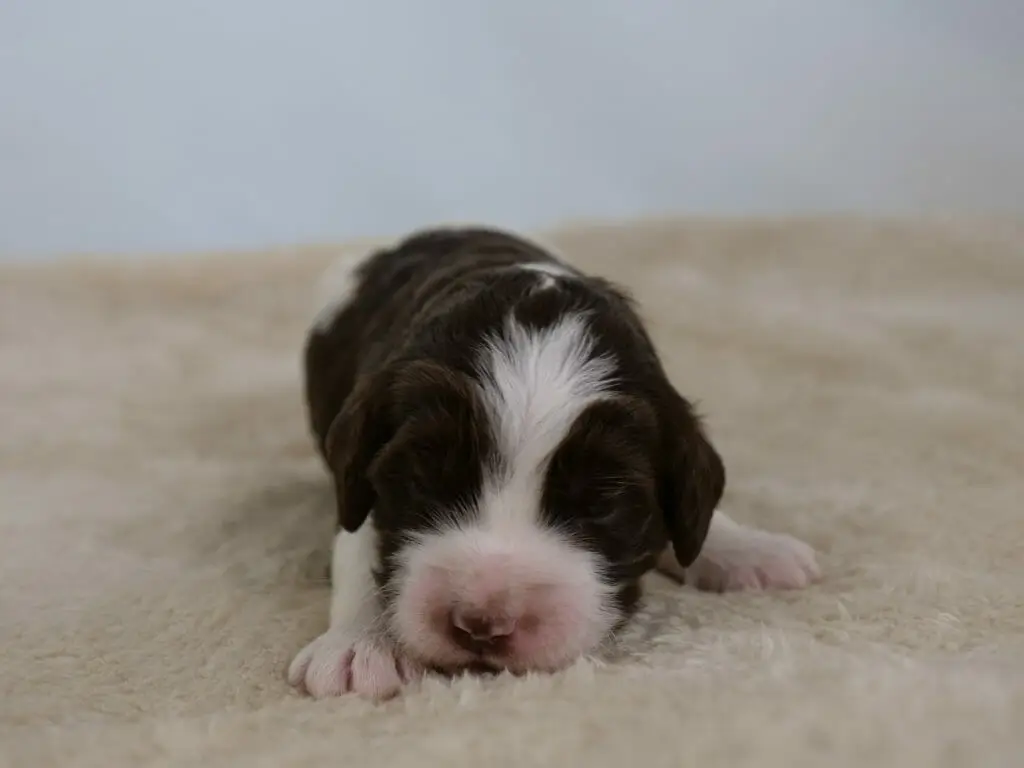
[393, 406]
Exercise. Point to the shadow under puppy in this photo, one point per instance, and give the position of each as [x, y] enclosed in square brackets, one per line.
[509, 459]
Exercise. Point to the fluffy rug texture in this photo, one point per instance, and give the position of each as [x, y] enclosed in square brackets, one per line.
[164, 522]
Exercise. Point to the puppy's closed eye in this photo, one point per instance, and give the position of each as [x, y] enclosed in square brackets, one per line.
[601, 480]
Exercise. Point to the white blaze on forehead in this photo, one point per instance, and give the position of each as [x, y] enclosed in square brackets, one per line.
[536, 383]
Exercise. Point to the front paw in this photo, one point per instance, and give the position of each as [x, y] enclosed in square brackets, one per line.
[334, 664]
[756, 560]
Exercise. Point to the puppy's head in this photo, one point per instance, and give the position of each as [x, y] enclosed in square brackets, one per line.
[525, 559]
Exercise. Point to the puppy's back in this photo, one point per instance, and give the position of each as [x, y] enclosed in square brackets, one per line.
[376, 304]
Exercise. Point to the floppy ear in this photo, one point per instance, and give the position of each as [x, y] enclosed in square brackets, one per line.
[358, 433]
[692, 477]
[388, 410]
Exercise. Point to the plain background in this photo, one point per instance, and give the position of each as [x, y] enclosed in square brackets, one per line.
[171, 125]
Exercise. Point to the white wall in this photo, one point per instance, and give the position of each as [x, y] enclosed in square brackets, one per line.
[190, 124]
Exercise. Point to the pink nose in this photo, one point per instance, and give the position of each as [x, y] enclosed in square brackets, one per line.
[479, 632]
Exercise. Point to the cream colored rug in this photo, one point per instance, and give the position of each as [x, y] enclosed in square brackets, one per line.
[164, 521]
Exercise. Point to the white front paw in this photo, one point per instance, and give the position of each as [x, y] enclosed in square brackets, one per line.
[756, 560]
[335, 664]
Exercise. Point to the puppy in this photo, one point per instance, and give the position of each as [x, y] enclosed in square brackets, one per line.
[509, 459]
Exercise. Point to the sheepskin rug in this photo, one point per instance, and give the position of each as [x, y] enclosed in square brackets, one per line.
[164, 522]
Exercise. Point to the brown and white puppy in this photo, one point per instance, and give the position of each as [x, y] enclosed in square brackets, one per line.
[509, 459]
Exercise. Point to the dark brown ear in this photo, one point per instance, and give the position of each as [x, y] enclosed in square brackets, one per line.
[358, 433]
[692, 478]
[419, 406]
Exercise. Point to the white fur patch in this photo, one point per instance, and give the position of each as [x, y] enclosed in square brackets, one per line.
[549, 273]
[507, 563]
[335, 289]
[536, 383]
[354, 594]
